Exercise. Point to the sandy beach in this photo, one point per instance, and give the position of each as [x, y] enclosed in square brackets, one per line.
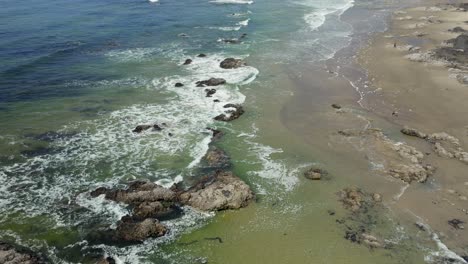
[428, 96]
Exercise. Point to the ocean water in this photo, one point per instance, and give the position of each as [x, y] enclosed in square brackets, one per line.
[76, 78]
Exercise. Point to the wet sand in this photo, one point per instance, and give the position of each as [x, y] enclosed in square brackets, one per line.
[398, 92]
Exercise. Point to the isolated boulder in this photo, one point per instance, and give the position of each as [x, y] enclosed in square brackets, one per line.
[231, 63]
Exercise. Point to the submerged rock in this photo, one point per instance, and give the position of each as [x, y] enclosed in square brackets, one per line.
[231, 41]
[131, 230]
[336, 106]
[188, 61]
[211, 82]
[456, 223]
[217, 134]
[179, 84]
[219, 191]
[201, 55]
[141, 128]
[217, 158]
[231, 114]
[231, 63]
[11, 254]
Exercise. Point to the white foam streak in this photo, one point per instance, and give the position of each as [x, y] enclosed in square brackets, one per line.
[242, 2]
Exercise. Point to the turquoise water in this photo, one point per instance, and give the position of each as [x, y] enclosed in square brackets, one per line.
[76, 78]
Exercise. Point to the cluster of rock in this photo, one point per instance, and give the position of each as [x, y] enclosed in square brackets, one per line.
[443, 144]
[355, 199]
[150, 203]
[359, 203]
[401, 161]
[228, 63]
[141, 128]
[11, 254]
[231, 114]
[457, 52]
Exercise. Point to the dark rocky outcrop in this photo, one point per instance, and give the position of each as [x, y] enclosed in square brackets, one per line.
[179, 84]
[456, 223]
[219, 191]
[210, 92]
[457, 30]
[231, 114]
[12, 254]
[211, 82]
[231, 63]
[131, 230]
[141, 128]
[201, 55]
[217, 134]
[336, 106]
[458, 53]
[188, 61]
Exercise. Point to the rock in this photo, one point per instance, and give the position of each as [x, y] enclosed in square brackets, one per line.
[179, 84]
[231, 63]
[217, 134]
[377, 197]
[217, 158]
[410, 173]
[413, 132]
[352, 198]
[352, 236]
[141, 128]
[355, 199]
[231, 114]
[231, 41]
[336, 106]
[371, 241]
[187, 62]
[137, 192]
[210, 92]
[157, 127]
[421, 226]
[315, 173]
[457, 30]
[12, 254]
[211, 82]
[156, 210]
[216, 101]
[131, 230]
[201, 55]
[456, 223]
[183, 35]
[219, 191]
